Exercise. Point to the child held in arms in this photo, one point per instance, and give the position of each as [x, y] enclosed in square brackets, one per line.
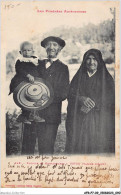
[26, 70]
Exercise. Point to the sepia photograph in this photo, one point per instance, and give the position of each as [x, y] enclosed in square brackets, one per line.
[60, 78]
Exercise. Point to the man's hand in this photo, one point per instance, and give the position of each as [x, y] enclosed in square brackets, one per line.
[31, 78]
[41, 100]
[87, 102]
[38, 103]
[45, 97]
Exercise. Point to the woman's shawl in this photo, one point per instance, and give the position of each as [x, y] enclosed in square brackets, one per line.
[104, 97]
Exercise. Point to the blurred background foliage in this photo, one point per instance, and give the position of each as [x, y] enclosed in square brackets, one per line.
[78, 41]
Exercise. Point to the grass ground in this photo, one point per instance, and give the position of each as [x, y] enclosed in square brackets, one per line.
[14, 138]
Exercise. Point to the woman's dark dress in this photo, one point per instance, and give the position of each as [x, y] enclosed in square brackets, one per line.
[93, 132]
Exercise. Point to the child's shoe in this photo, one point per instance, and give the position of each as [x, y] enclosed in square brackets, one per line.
[26, 121]
[39, 119]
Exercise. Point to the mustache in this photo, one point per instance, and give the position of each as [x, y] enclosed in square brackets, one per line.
[51, 49]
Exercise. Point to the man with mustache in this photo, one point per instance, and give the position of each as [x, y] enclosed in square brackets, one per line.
[56, 73]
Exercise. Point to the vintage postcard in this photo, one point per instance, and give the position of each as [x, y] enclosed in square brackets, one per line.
[60, 94]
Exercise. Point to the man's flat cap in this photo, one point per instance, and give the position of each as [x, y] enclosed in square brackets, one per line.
[60, 41]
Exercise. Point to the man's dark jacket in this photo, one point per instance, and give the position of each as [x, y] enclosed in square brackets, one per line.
[58, 76]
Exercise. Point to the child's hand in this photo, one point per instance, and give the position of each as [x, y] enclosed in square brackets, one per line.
[31, 78]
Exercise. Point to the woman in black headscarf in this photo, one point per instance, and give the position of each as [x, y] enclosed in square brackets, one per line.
[90, 121]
